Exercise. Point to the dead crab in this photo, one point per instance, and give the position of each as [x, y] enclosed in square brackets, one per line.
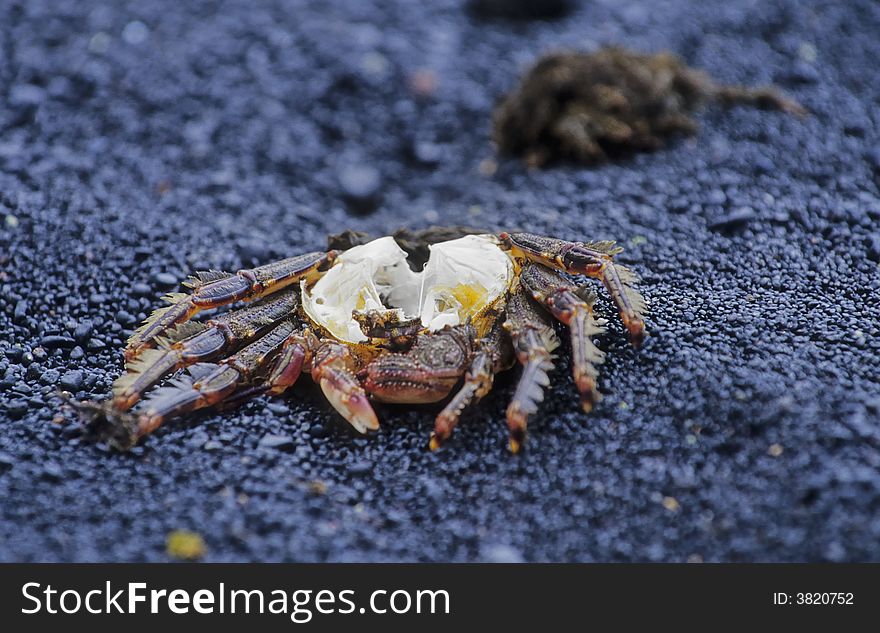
[366, 325]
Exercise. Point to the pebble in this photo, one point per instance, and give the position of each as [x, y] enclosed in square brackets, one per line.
[50, 377]
[361, 467]
[57, 342]
[72, 380]
[277, 442]
[141, 289]
[83, 331]
[360, 186]
[16, 408]
[19, 315]
[733, 220]
[501, 553]
[165, 280]
[125, 318]
[51, 472]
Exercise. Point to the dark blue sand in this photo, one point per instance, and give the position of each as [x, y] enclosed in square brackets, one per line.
[141, 142]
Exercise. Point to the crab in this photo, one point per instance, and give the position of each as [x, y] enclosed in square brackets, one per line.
[370, 321]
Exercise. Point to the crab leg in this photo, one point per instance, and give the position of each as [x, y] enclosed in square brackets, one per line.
[761, 97]
[213, 289]
[208, 384]
[533, 343]
[593, 259]
[554, 292]
[334, 368]
[494, 354]
[294, 358]
[191, 343]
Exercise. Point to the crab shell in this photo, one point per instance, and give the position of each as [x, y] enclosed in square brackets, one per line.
[463, 281]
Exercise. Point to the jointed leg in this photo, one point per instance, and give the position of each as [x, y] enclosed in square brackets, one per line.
[213, 289]
[207, 385]
[593, 259]
[192, 342]
[533, 342]
[494, 353]
[555, 292]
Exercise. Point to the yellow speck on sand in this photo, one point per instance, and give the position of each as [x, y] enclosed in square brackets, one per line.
[185, 545]
[775, 450]
[317, 487]
[671, 504]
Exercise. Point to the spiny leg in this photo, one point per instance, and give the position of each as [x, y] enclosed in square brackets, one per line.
[533, 342]
[191, 342]
[553, 291]
[294, 358]
[494, 353]
[593, 259]
[213, 289]
[208, 384]
[334, 368]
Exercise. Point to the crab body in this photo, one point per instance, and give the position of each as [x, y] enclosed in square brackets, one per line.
[368, 324]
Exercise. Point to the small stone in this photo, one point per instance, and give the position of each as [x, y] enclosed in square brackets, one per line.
[501, 553]
[51, 472]
[83, 331]
[72, 380]
[734, 220]
[428, 153]
[26, 95]
[166, 280]
[7, 461]
[19, 315]
[277, 442]
[39, 354]
[77, 353]
[125, 318]
[361, 187]
[141, 289]
[803, 73]
[96, 344]
[16, 409]
[873, 158]
[50, 377]
[212, 445]
[55, 341]
[135, 32]
[360, 468]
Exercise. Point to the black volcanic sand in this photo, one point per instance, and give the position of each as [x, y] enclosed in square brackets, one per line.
[138, 144]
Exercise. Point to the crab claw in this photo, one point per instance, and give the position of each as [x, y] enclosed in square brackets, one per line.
[351, 402]
[332, 370]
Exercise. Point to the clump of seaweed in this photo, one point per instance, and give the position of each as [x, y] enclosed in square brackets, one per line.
[586, 107]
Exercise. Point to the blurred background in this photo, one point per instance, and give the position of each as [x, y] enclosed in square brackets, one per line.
[141, 141]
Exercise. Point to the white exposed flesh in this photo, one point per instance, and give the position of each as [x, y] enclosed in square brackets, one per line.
[462, 277]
